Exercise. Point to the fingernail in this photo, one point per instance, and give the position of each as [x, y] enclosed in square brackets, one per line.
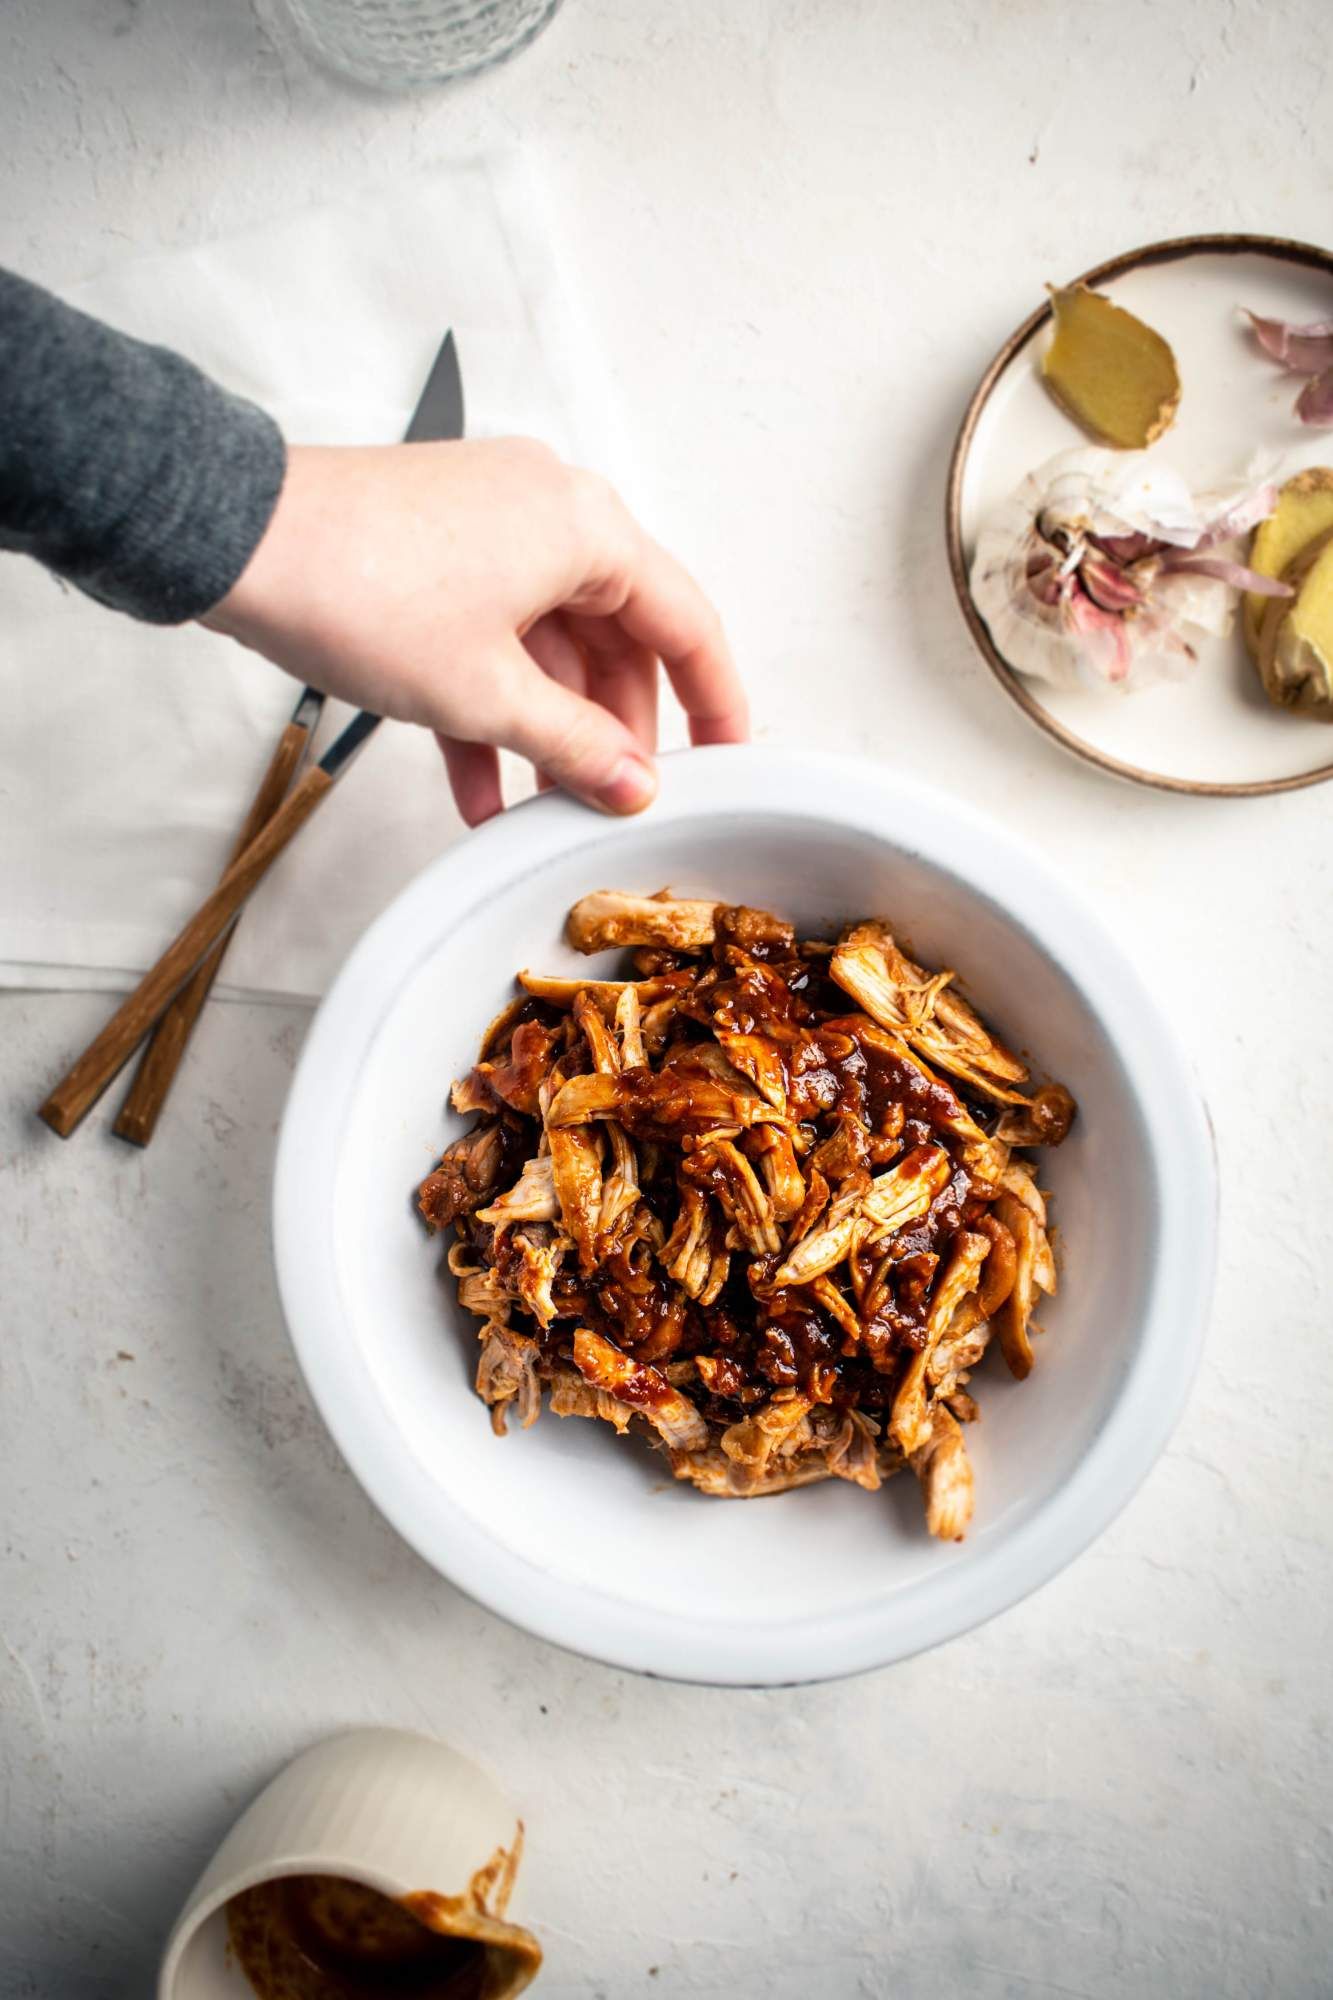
[631, 786]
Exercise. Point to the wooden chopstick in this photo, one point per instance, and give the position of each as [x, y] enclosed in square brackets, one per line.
[161, 1059]
[79, 1089]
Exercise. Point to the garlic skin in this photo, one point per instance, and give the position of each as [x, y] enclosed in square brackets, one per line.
[1087, 574]
[1302, 350]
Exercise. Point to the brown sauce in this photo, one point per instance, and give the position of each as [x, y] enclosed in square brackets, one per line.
[857, 1103]
[320, 1937]
[644, 1388]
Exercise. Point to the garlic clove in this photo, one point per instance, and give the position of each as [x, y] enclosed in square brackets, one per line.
[1303, 350]
[1114, 375]
[1314, 405]
[1107, 584]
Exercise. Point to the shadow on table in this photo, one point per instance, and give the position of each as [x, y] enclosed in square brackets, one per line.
[99, 1932]
[943, 655]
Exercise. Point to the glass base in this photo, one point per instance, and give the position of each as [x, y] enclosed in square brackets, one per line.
[404, 44]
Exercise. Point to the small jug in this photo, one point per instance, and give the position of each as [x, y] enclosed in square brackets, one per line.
[400, 1814]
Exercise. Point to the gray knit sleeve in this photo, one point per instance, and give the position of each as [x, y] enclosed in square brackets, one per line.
[122, 467]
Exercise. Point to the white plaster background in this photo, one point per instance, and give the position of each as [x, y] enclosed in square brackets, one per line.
[800, 228]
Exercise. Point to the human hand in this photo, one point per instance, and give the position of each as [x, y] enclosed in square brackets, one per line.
[497, 597]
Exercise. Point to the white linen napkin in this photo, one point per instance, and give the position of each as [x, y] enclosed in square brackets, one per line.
[129, 752]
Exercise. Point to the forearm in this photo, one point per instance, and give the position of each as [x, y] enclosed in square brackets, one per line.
[122, 467]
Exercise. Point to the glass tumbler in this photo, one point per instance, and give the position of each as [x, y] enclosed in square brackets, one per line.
[394, 44]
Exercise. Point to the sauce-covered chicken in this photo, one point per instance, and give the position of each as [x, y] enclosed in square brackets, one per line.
[758, 1200]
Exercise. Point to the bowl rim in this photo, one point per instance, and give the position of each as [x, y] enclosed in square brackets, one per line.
[1018, 881]
[1173, 249]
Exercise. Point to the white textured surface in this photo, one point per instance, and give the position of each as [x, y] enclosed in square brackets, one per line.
[801, 228]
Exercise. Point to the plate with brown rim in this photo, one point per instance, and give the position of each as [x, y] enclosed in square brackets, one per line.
[1214, 733]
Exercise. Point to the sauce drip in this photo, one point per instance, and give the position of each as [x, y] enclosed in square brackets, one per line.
[320, 1937]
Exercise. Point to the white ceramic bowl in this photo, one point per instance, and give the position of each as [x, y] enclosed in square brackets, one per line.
[582, 1537]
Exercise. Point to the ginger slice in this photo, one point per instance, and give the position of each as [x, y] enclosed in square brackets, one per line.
[1302, 517]
[1296, 637]
[1112, 374]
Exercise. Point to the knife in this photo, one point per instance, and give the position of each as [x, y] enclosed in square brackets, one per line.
[439, 414]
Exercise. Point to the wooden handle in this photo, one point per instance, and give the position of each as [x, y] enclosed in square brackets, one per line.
[166, 1045]
[78, 1091]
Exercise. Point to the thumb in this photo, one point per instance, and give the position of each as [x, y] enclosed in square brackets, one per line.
[579, 745]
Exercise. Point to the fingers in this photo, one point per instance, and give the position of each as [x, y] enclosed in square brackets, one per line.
[667, 610]
[557, 652]
[659, 605]
[620, 674]
[578, 694]
[577, 743]
[627, 685]
[474, 778]
[560, 656]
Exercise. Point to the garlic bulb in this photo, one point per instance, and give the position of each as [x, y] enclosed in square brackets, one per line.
[1088, 572]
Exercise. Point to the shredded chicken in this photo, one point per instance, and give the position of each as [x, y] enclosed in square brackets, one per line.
[761, 1062]
[606, 992]
[855, 1452]
[1015, 1315]
[781, 1174]
[569, 1395]
[539, 1250]
[708, 1205]
[629, 1026]
[643, 1387]
[906, 1191]
[718, 1476]
[932, 1020]
[531, 1199]
[752, 1442]
[958, 1351]
[464, 1178]
[608, 919]
[516, 1077]
[838, 1233]
[909, 1421]
[945, 1472]
[728, 1176]
[687, 1252]
[576, 1171]
[830, 1300]
[1043, 1121]
[507, 1373]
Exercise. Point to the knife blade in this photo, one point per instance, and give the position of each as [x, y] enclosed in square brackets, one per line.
[439, 412]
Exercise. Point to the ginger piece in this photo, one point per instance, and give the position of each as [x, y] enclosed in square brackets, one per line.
[1113, 375]
[1302, 518]
[1296, 638]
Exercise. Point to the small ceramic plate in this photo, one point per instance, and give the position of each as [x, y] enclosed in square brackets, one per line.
[1216, 732]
